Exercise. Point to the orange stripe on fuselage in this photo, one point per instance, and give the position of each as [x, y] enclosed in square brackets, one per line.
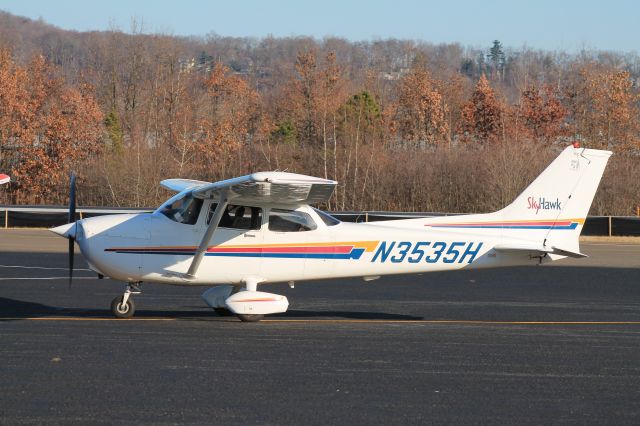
[367, 245]
[580, 221]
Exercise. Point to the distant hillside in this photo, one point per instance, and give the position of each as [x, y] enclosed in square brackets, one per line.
[395, 121]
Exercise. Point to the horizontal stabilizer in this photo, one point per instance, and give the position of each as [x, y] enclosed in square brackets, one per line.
[537, 250]
[568, 253]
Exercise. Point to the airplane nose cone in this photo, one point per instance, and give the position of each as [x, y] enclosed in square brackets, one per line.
[67, 231]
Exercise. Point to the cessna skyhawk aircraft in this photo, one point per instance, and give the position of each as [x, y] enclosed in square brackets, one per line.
[4, 178]
[239, 233]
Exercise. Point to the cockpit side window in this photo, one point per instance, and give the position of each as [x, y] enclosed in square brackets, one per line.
[290, 221]
[238, 217]
[184, 210]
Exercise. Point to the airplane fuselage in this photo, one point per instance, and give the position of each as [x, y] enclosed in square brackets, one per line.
[134, 248]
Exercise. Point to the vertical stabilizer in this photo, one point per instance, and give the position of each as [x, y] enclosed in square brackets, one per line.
[556, 204]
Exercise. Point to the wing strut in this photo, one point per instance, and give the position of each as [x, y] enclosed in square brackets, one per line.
[213, 225]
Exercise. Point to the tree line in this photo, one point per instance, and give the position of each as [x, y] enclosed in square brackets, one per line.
[401, 124]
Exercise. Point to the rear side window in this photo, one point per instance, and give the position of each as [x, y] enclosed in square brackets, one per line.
[290, 221]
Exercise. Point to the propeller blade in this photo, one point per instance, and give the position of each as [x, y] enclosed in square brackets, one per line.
[72, 199]
[71, 253]
[72, 219]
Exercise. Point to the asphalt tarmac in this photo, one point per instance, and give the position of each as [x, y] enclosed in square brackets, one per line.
[552, 344]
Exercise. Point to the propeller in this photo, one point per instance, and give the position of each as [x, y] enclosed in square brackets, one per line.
[72, 219]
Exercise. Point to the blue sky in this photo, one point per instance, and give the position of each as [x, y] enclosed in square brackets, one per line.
[568, 25]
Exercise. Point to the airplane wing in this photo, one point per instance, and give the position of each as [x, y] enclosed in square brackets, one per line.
[537, 250]
[179, 185]
[4, 178]
[271, 187]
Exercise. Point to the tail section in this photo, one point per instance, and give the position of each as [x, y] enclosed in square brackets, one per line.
[556, 204]
[546, 218]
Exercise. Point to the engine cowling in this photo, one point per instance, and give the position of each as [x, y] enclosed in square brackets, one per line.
[257, 303]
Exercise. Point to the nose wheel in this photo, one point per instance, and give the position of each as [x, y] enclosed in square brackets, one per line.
[123, 306]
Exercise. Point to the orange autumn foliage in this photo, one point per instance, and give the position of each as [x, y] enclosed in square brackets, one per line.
[482, 114]
[421, 114]
[543, 113]
[47, 127]
[229, 116]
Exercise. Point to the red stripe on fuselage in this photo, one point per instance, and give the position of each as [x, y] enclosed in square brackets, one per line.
[337, 249]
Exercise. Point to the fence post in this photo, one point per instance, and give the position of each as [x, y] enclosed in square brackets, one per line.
[366, 217]
[609, 225]
[6, 218]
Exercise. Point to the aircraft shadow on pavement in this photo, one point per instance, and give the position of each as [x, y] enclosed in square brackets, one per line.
[13, 309]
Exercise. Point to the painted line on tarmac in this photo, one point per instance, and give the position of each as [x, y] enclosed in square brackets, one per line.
[42, 267]
[45, 278]
[339, 321]
[595, 243]
[86, 319]
[468, 322]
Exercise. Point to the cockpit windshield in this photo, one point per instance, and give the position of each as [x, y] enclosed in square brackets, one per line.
[326, 217]
[183, 208]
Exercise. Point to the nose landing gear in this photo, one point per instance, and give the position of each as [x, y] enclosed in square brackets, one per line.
[123, 306]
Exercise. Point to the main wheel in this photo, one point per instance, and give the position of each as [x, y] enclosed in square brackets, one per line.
[122, 310]
[250, 318]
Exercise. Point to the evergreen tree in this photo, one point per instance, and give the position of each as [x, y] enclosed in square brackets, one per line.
[285, 132]
[364, 103]
[468, 68]
[114, 130]
[497, 57]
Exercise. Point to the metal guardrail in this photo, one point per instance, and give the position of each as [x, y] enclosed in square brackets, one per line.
[65, 209]
[49, 216]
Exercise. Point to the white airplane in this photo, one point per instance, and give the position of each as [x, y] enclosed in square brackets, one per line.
[239, 233]
[4, 178]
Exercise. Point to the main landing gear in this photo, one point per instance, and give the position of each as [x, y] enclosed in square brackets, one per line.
[123, 306]
[247, 303]
[250, 317]
[225, 312]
